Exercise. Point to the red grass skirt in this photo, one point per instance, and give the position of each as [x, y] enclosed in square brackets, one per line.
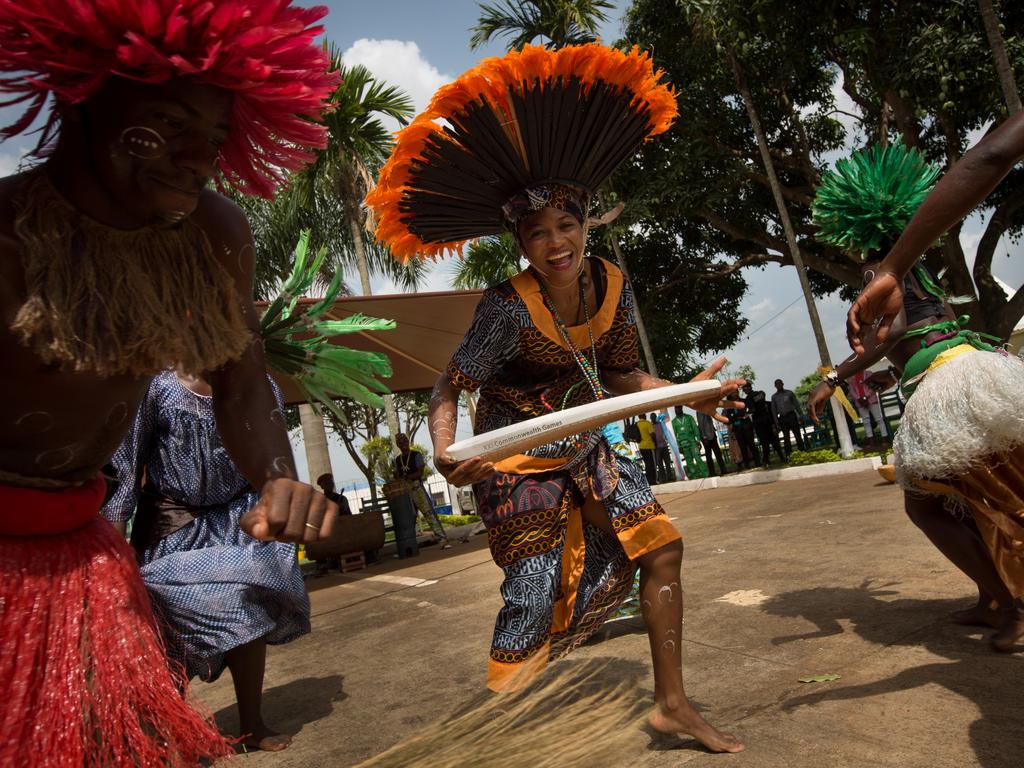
[84, 680]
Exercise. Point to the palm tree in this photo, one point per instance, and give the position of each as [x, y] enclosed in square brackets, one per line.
[561, 22]
[488, 261]
[338, 179]
[358, 144]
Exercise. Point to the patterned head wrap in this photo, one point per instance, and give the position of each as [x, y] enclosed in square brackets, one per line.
[564, 197]
[262, 51]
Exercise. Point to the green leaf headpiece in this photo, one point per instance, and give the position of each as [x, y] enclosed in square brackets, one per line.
[867, 201]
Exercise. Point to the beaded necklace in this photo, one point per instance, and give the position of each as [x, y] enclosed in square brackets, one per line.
[588, 367]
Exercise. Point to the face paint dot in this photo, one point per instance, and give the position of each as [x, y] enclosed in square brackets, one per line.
[143, 142]
[34, 423]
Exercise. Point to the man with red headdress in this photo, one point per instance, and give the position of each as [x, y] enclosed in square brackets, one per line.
[117, 259]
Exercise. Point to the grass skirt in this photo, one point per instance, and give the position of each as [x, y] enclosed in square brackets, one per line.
[83, 675]
[962, 436]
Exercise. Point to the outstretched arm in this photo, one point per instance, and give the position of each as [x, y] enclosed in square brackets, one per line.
[248, 418]
[966, 185]
[619, 383]
[873, 351]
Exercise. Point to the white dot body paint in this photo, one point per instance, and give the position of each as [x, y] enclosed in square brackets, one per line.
[142, 142]
[34, 422]
[669, 645]
[56, 458]
[667, 591]
[244, 257]
[277, 417]
[281, 467]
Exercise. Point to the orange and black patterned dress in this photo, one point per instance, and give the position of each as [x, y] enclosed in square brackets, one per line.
[563, 577]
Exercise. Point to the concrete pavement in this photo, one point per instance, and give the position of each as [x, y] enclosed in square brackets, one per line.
[808, 577]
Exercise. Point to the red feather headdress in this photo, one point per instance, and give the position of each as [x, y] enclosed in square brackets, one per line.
[530, 117]
[260, 50]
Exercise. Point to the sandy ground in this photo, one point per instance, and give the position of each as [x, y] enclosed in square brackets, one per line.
[809, 577]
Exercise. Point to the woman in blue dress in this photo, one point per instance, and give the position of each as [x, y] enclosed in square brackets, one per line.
[221, 596]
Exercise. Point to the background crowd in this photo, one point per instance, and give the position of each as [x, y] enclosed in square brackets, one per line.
[770, 429]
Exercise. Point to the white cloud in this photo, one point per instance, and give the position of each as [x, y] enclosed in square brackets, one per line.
[759, 310]
[784, 346]
[399, 63]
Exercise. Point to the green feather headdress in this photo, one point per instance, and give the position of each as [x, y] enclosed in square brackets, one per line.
[320, 369]
[868, 200]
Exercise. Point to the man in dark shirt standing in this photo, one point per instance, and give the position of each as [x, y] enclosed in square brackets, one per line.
[743, 430]
[764, 424]
[709, 439]
[788, 415]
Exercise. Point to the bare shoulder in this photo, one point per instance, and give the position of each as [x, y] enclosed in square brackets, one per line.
[227, 228]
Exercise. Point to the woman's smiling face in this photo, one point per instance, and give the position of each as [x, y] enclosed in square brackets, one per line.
[552, 241]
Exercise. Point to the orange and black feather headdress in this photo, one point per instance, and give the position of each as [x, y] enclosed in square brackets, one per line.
[530, 117]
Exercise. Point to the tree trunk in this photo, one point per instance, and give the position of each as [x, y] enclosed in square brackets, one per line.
[364, 278]
[314, 437]
[652, 366]
[1007, 81]
[845, 443]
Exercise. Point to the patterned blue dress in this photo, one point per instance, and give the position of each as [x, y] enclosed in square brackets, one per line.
[213, 587]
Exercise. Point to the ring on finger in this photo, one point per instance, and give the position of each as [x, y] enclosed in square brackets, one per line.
[314, 527]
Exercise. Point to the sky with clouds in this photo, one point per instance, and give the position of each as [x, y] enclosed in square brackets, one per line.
[419, 45]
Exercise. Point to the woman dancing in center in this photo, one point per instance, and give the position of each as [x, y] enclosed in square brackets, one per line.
[529, 136]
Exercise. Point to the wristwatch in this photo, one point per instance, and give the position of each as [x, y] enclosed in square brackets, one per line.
[831, 378]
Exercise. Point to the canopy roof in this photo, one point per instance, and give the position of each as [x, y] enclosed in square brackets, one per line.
[429, 329]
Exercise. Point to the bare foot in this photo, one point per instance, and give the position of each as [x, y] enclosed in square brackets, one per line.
[266, 740]
[1010, 631]
[978, 615]
[687, 721]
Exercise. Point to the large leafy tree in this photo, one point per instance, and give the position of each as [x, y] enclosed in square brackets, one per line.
[918, 72]
[686, 318]
[556, 22]
[330, 191]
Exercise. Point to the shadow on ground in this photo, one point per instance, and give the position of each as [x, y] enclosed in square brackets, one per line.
[288, 707]
[971, 670]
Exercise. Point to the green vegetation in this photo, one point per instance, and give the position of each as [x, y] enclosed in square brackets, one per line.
[820, 456]
[826, 455]
[451, 521]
